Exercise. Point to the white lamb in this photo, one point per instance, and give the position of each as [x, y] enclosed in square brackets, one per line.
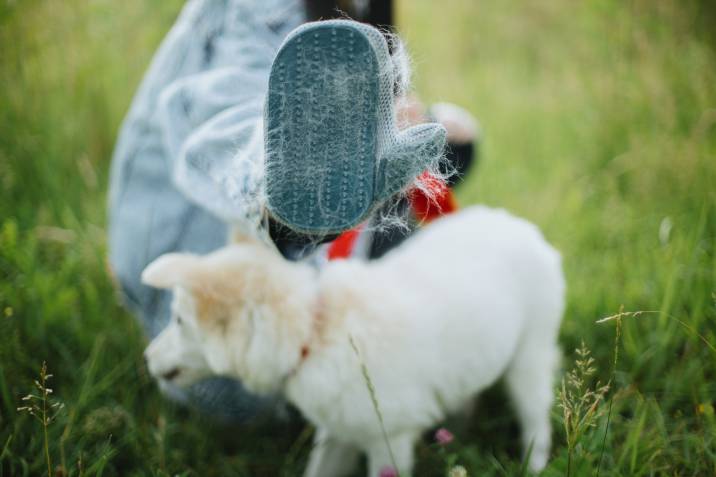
[474, 296]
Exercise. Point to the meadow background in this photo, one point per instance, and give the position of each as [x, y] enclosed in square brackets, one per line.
[600, 125]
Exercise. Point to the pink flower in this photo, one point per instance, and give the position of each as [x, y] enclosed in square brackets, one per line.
[443, 436]
[388, 472]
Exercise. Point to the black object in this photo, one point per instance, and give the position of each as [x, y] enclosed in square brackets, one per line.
[379, 12]
[294, 245]
[460, 159]
[383, 241]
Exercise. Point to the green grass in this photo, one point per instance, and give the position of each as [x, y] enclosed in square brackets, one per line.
[600, 126]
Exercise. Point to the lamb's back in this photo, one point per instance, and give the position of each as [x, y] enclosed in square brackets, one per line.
[440, 317]
[464, 290]
[473, 248]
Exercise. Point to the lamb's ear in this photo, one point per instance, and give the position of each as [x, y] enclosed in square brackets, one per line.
[170, 270]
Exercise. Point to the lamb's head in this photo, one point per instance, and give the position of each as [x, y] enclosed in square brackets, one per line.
[236, 312]
[179, 354]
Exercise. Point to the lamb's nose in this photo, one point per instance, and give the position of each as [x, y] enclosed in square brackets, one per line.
[169, 375]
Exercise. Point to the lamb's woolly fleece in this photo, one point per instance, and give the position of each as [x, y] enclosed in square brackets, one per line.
[474, 296]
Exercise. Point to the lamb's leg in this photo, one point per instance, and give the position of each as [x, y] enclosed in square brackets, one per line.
[330, 457]
[379, 455]
[529, 383]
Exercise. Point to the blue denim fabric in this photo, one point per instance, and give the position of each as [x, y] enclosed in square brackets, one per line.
[201, 98]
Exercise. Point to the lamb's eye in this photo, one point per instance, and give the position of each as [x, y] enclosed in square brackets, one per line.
[179, 320]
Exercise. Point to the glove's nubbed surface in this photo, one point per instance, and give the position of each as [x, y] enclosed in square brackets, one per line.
[333, 151]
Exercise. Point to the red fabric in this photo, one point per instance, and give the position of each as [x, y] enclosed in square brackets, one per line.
[342, 247]
[439, 201]
[426, 207]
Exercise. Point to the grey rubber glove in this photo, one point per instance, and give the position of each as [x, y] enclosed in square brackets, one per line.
[333, 150]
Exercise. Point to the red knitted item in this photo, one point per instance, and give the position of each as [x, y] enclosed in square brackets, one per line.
[439, 201]
[426, 207]
[342, 247]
